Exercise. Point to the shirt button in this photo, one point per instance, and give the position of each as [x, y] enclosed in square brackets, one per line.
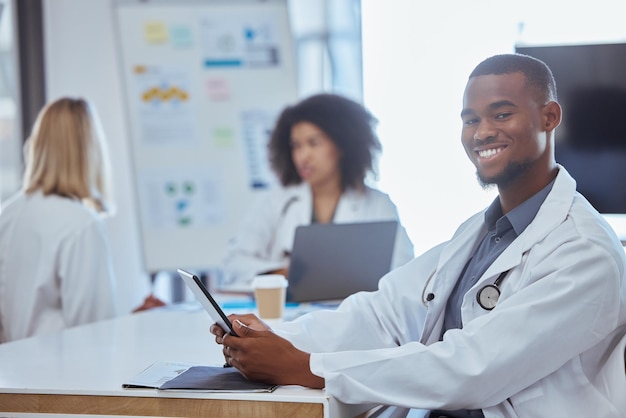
[497, 239]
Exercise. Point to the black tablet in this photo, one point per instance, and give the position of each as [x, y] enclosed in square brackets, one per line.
[205, 298]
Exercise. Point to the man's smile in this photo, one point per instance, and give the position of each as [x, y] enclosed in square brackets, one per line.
[490, 152]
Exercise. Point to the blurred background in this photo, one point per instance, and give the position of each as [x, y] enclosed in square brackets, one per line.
[407, 61]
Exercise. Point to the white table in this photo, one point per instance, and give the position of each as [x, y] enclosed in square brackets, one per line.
[81, 370]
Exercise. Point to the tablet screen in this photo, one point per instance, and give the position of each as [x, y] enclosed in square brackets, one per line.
[204, 297]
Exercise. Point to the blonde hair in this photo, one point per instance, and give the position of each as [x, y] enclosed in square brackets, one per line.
[66, 155]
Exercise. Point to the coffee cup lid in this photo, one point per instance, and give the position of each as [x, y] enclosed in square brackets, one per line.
[267, 281]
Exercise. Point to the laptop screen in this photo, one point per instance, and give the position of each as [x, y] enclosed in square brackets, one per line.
[332, 261]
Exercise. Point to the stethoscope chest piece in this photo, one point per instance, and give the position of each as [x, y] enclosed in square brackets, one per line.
[488, 296]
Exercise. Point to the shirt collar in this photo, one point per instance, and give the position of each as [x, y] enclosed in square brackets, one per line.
[521, 216]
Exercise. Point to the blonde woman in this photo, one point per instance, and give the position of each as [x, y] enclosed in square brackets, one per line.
[55, 267]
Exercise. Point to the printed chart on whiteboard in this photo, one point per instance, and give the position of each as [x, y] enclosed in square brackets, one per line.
[203, 84]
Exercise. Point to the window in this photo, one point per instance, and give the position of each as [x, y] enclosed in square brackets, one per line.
[327, 42]
[10, 132]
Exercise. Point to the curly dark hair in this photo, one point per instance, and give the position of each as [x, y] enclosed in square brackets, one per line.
[347, 123]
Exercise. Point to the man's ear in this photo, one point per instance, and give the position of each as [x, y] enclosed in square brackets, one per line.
[552, 115]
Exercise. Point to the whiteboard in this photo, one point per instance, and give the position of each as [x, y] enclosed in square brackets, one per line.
[203, 84]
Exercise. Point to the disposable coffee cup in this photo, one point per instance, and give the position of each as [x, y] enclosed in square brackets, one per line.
[270, 292]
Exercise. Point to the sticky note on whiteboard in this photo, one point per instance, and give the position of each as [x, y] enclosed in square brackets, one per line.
[218, 89]
[181, 36]
[155, 32]
[224, 137]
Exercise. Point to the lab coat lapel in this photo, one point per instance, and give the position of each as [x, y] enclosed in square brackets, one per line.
[451, 262]
[348, 207]
[553, 211]
[296, 208]
[306, 197]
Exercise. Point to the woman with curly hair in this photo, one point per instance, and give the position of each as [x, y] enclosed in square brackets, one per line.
[321, 151]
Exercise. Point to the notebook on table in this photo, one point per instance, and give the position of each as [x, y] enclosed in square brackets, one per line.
[332, 261]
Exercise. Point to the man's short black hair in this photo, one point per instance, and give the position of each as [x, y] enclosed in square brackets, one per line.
[537, 73]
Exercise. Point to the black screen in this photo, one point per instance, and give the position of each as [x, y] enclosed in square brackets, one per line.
[591, 141]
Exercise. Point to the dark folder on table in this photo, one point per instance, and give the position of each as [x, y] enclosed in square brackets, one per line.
[332, 261]
[187, 377]
[212, 378]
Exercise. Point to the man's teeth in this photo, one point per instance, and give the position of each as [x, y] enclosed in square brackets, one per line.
[489, 152]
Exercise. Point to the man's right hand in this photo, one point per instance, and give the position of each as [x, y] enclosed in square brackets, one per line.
[252, 320]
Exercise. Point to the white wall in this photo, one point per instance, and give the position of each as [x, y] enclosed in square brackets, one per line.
[417, 56]
[81, 60]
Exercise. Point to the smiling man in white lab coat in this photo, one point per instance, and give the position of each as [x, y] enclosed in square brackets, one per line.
[521, 314]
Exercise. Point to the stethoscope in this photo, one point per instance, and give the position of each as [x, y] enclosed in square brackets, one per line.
[283, 212]
[287, 204]
[487, 297]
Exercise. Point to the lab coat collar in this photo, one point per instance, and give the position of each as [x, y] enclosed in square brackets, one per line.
[551, 213]
[350, 202]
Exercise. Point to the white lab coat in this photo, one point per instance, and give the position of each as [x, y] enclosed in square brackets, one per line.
[55, 269]
[552, 347]
[265, 237]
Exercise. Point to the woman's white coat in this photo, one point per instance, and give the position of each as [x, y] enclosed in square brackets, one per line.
[265, 237]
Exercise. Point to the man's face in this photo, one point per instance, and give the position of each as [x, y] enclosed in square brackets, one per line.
[503, 129]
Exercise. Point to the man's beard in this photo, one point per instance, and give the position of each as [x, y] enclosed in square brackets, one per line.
[513, 171]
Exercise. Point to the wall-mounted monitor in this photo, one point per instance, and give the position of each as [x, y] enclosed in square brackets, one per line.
[591, 141]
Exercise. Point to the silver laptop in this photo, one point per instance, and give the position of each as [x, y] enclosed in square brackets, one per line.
[332, 261]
